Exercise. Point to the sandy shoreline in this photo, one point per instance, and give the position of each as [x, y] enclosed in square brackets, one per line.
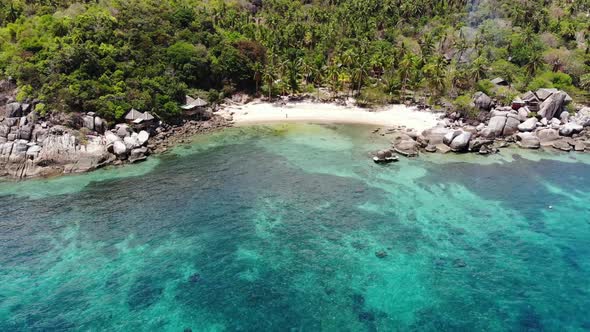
[389, 116]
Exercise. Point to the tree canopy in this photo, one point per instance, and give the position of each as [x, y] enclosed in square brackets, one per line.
[107, 56]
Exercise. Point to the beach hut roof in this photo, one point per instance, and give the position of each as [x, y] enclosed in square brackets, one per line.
[529, 96]
[146, 116]
[133, 115]
[517, 100]
[193, 103]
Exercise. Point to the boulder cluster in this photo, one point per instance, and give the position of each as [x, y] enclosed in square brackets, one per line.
[551, 126]
[30, 146]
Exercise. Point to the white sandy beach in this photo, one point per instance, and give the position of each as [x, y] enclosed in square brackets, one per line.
[393, 115]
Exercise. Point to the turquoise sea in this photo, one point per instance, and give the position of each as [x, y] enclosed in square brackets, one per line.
[294, 228]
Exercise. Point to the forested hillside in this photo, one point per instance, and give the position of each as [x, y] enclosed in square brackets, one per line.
[107, 56]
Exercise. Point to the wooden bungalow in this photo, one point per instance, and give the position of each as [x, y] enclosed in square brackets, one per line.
[145, 121]
[195, 108]
[531, 101]
[140, 120]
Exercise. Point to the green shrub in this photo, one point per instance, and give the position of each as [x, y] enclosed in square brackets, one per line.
[464, 105]
[41, 109]
[24, 92]
[486, 86]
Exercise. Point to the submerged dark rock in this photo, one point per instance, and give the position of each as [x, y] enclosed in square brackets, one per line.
[459, 263]
[366, 316]
[194, 278]
[381, 254]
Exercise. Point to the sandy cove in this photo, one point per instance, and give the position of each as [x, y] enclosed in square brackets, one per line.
[389, 116]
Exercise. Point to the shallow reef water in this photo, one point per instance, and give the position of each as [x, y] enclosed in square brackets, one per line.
[293, 227]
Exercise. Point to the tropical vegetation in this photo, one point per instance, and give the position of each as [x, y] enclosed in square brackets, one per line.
[107, 56]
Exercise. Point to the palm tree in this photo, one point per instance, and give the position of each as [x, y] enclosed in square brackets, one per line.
[306, 69]
[333, 76]
[435, 74]
[535, 62]
[269, 77]
[478, 69]
[258, 69]
[359, 73]
[406, 69]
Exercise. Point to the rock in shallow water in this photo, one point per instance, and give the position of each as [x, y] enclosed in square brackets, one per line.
[562, 145]
[408, 148]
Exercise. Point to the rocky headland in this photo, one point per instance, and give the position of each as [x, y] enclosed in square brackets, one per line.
[32, 145]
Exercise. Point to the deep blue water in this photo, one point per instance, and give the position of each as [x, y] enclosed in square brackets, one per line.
[280, 228]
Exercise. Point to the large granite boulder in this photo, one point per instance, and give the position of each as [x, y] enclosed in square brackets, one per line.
[479, 143]
[88, 122]
[511, 126]
[33, 151]
[138, 154]
[131, 142]
[111, 138]
[100, 125]
[461, 142]
[487, 133]
[123, 130]
[562, 145]
[19, 151]
[503, 123]
[6, 149]
[14, 110]
[119, 149]
[496, 125]
[143, 137]
[528, 125]
[547, 135]
[570, 128]
[450, 136]
[408, 148]
[4, 130]
[583, 117]
[553, 105]
[528, 141]
[523, 114]
[25, 132]
[482, 101]
[434, 136]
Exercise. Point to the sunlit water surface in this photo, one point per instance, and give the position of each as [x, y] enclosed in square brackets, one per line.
[278, 228]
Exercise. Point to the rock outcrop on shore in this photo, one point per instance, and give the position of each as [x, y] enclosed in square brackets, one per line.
[552, 128]
[31, 146]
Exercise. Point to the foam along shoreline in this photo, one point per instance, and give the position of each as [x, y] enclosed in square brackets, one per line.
[389, 116]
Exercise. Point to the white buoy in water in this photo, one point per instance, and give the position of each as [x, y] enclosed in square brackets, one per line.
[550, 207]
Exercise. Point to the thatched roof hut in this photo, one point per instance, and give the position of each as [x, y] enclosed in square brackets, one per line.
[133, 115]
[194, 107]
[192, 103]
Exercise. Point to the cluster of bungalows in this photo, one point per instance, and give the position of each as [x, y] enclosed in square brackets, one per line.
[192, 109]
[532, 100]
[140, 120]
